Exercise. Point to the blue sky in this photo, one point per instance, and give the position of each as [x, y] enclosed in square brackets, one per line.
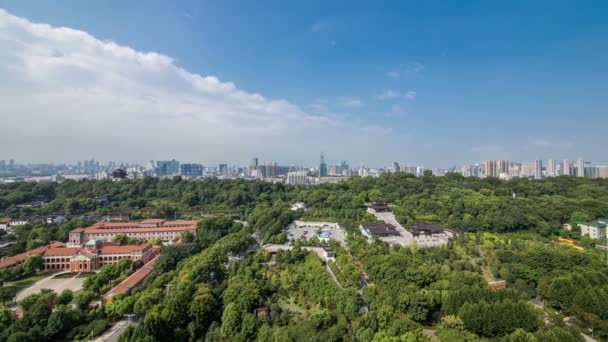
[424, 82]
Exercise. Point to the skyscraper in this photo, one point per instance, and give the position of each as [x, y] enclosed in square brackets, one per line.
[551, 168]
[490, 168]
[322, 167]
[224, 169]
[566, 170]
[502, 166]
[538, 169]
[395, 167]
[580, 168]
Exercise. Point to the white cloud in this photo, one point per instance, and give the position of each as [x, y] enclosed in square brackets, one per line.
[486, 149]
[412, 67]
[549, 143]
[322, 25]
[66, 95]
[389, 94]
[394, 111]
[352, 102]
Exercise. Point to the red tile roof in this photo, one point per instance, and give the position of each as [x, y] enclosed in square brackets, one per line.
[125, 249]
[19, 258]
[8, 262]
[68, 251]
[153, 221]
[126, 227]
[130, 282]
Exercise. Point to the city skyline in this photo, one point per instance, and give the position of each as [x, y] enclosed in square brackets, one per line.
[78, 82]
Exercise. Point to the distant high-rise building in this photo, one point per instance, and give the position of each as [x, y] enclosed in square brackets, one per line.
[591, 172]
[602, 171]
[166, 168]
[342, 169]
[538, 169]
[528, 170]
[502, 167]
[551, 168]
[395, 167]
[322, 167]
[490, 168]
[223, 169]
[566, 170]
[580, 168]
[515, 170]
[297, 178]
[191, 170]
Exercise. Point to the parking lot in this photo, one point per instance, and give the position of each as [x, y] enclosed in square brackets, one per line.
[324, 231]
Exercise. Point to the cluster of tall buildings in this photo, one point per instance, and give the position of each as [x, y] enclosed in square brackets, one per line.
[505, 169]
[299, 175]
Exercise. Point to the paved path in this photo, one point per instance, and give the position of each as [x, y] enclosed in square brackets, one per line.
[112, 334]
[332, 276]
[50, 283]
[406, 237]
[588, 338]
[275, 248]
[429, 333]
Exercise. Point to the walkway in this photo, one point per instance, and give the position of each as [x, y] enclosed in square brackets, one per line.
[275, 248]
[112, 334]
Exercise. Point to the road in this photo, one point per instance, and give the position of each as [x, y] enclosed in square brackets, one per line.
[112, 334]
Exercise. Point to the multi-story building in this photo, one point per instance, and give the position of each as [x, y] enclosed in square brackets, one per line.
[223, 169]
[191, 170]
[538, 169]
[166, 231]
[580, 168]
[527, 170]
[489, 167]
[166, 168]
[297, 178]
[566, 169]
[322, 167]
[515, 170]
[595, 229]
[602, 171]
[551, 168]
[502, 167]
[94, 255]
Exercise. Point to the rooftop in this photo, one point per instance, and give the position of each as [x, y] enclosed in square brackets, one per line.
[143, 226]
[426, 228]
[380, 229]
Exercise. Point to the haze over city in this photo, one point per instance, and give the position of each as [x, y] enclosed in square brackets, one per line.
[430, 83]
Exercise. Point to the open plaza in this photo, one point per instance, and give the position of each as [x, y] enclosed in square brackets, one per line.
[324, 231]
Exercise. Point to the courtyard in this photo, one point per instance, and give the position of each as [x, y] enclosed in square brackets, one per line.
[56, 282]
[324, 231]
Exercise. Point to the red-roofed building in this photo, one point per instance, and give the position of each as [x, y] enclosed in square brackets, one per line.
[20, 258]
[94, 255]
[130, 282]
[166, 231]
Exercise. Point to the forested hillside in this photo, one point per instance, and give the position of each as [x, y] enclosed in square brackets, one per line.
[217, 287]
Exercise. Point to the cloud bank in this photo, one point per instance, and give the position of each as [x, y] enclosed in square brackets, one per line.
[66, 95]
